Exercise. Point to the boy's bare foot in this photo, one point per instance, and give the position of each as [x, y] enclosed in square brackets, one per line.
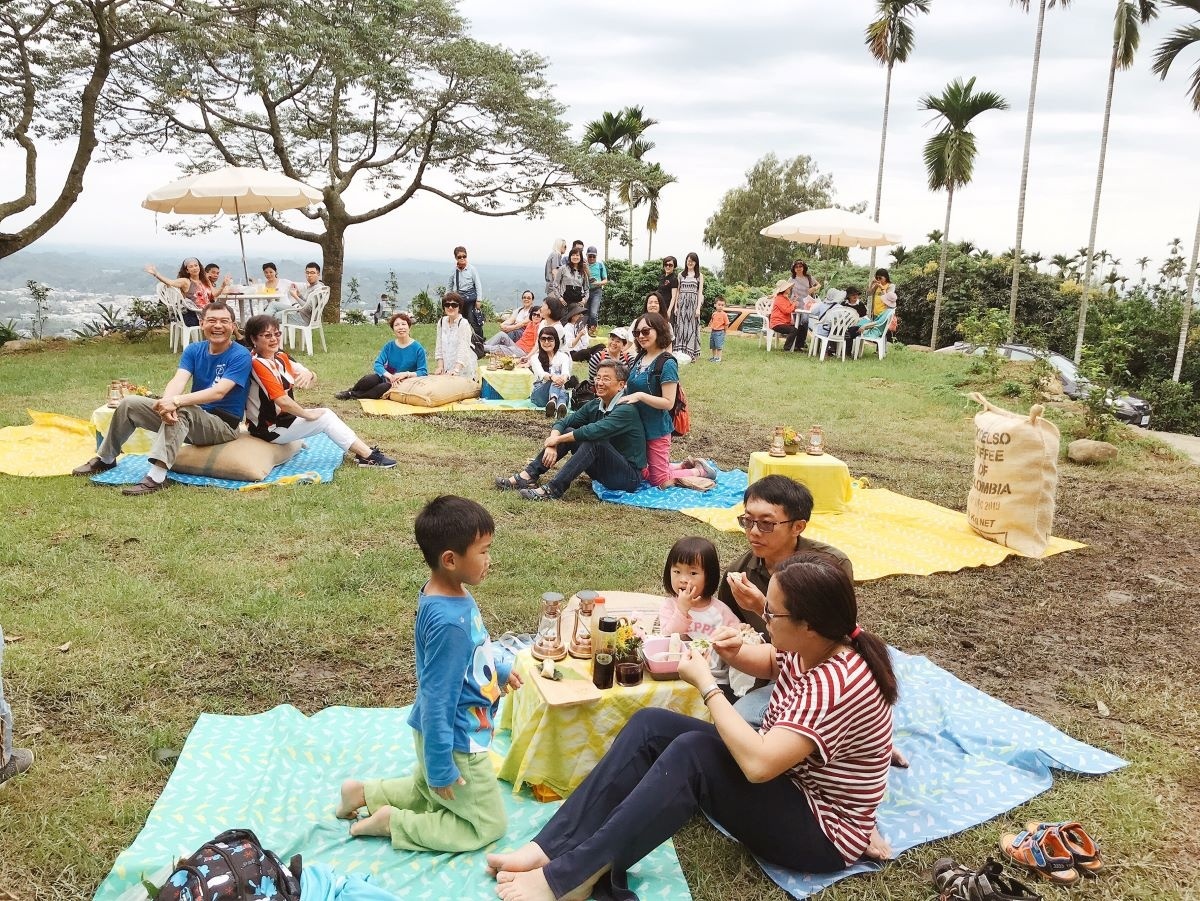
[352, 799]
[878, 847]
[898, 759]
[528, 857]
[378, 823]
[532, 886]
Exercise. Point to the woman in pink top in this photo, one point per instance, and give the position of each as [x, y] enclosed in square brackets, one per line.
[801, 791]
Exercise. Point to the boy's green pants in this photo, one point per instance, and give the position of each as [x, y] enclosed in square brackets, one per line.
[423, 821]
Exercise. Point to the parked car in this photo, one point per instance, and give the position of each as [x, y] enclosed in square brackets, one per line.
[1125, 407]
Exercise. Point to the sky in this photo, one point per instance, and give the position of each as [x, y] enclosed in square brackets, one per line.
[732, 82]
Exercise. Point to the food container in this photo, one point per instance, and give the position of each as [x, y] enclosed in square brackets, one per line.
[659, 661]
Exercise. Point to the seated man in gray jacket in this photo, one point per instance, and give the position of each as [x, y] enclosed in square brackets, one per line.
[602, 438]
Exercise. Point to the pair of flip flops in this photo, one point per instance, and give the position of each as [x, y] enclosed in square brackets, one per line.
[955, 882]
[1058, 852]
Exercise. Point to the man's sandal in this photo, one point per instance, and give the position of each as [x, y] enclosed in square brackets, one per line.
[1043, 853]
[515, 482]
[954, 882]
[1084, 850]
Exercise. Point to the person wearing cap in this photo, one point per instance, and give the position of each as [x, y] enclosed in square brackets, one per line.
[617, 348]
[783, 308]
[599, 278]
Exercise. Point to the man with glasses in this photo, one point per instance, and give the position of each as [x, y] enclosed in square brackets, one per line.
[602, 438]
[464, 281]
[208, 414]
[777, 512]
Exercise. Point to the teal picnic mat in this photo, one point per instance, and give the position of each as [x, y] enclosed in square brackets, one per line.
[279, 772]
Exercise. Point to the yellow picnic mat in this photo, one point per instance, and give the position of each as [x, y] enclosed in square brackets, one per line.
[52, 446]
[887, 534]
[393, 408]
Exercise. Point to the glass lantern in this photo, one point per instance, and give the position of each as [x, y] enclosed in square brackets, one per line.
[581, 633]
[114, 393]
[549, 644]
[777, 448]
[816, 441]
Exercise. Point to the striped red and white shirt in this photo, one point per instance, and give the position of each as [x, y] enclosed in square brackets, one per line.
[838, 706]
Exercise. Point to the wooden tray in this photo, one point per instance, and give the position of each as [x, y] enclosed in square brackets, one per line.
[568, 691]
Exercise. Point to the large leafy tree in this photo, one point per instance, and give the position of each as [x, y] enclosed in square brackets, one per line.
[890, 39]
[1126, 37]
[56, 59]
[950, 158]
[774, 189]
[372, 101]
[1037, 57]
[1181, 39]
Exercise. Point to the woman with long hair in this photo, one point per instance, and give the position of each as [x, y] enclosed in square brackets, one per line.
[684, 316]
[801, 791]
[551, 366]
[573, 280]
[272, 412]
[192, 284]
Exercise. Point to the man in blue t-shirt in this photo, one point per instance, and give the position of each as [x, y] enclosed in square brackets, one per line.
[210, 413]
[598, 274]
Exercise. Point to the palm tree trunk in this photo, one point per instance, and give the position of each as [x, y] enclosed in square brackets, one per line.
[937, 300]
[1037, 55]
[607, 213]
[1087, 277]
[649, 243]
[887, 102]
[1187, 305]
[630, 234]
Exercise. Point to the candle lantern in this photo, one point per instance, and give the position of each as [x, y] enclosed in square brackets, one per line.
[816, 441]
[114, 393]
[777, 448]
[581, 632]
[549, 644]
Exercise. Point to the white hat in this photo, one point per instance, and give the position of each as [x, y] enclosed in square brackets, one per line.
[623, 333]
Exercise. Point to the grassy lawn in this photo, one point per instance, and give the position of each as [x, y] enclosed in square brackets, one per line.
[196, 600]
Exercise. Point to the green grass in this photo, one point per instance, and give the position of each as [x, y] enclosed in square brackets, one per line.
[203, 601]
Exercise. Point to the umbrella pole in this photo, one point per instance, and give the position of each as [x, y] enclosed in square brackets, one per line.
[241, 241]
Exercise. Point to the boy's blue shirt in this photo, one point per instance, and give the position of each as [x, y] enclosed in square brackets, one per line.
[459, 682]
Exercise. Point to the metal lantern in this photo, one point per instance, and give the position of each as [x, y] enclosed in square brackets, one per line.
[777, 448]
[816, 441]
[549, 644]
[581, 633]
[114, 393]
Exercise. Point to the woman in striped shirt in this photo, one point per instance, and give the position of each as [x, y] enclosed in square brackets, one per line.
[801, 791]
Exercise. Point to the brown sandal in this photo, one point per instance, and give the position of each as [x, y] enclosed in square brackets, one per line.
[1043, 853]
[1084, 850]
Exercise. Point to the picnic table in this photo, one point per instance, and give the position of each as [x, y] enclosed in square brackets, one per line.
[250, 297]
[555, 745]
[827, 477]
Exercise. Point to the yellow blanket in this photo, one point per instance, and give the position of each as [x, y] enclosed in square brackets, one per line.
[52, 446]
[887, 534]
[392, 408]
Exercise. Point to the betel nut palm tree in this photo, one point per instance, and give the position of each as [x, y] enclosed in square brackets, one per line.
[1037, 55]
[656, 179]
[1181, 39]
[1126, 37]
[950, 157]
[610, 132]
[890, 40]
[633, 190]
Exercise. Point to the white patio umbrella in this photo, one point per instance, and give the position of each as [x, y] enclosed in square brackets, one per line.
[234, 189]
[835, 228]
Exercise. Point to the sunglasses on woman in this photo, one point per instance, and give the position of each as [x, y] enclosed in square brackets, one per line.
[643, 332]
[460, 256]
[551, 340]
[452, 305]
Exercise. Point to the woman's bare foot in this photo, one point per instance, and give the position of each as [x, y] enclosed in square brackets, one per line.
[878, 847]
[378, 823]
[352, 799]
[528, 857]
[532, 886]
[898, 759]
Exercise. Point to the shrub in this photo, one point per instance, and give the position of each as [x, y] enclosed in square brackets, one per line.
[625, 293]
[354, 317]
[1176, 408]
[8, 331]
[154, 313]
[424, 308]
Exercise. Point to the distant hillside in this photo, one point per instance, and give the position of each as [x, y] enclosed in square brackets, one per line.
[120, 273]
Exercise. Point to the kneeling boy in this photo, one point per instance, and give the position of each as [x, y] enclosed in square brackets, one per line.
[452, 801]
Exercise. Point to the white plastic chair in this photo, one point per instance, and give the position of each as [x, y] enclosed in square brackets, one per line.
[320, 297]
[179, 332]
[879, 329]
[762, 307]
[839, 319]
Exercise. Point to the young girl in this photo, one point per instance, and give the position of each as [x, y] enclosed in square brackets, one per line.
[691, 577]
[551, 368]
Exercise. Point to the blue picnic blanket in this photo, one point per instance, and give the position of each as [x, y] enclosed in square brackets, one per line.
[319, 456]
[279, 772]
[971, 758]
[728, 491]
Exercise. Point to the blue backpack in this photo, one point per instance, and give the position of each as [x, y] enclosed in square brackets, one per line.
[234, 866]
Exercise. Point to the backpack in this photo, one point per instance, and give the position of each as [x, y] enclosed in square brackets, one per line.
[681, 420]
[234, 866]
[477, 346]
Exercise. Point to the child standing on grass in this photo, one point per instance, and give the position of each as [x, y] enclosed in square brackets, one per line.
[717, 325]
[691, 577]
[452, 801]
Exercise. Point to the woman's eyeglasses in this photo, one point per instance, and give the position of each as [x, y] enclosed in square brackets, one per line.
[764, 526]
[270, 334]
[452, 305]
[460, 256]
[767, 616]
[643, 332]
[668, 265]
[551, 340]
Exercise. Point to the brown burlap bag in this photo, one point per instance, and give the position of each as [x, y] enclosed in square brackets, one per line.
[1011, 501]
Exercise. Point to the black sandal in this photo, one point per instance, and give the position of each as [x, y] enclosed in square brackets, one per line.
[954, 882]
[515, 482]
